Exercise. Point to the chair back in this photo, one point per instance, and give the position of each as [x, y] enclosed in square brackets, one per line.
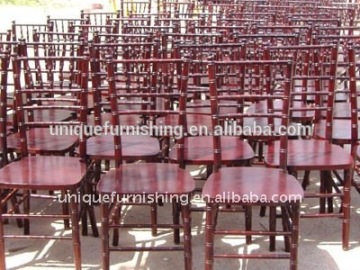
[147, 91]
[266, 80]
[4, 62]
[44, 84]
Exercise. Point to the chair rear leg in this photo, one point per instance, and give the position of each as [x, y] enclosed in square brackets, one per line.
[272, 226]
[75, 230]
[185, 211]
[209, 236]
[104, 209]
[176, 221]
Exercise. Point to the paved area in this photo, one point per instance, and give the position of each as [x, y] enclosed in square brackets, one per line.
[319, 248]
[320, 239]
[60, 9]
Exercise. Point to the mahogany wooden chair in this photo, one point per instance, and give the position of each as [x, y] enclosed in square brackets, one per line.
[345, 127]
[127, 8]
[233, 185]
[58, 38]
[306, 58]
[25, 31]
[315, 21]
[104, 38]
[196, 142]
[5, 59]
[145, 179]
[321, 155]
[100, 146]
[62, 173]
[135, 22]
[5, 37]
[197, 48]
[170, 39]
[305, 32]
[143, 47]
[5, 128]
[225, 6]
[38, 76]
[176, 7]
[6, 49]
[98, 18]
[64, 25]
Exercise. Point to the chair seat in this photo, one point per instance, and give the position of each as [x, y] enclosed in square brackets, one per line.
[43, 172]
[41, 141]
[252, 185]
[341, 130]
[134, 147]
[147, 178]
[310, 155]
[199, 151]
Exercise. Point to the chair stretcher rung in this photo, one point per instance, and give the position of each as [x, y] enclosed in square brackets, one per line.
[317, 215]
[45, 237]
[35, 216]
[253, 256]
[165, 226]
[131, 249]
[232, 232]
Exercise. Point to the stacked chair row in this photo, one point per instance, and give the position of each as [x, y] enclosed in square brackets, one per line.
[118, 106]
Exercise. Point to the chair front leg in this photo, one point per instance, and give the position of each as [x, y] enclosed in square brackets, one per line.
[104, 210]
[186, 217]
[209, 236]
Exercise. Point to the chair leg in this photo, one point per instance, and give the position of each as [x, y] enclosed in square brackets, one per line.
[83, 211]
[346, 209]
[294, 236]
[2, 241]
[272, 226]
[65, 208]
[176, 221]
[262, 211]
[153, 214]
[329, 185]
[248, 223]
[209, 236]
[285, 214]
[107, 165]
[116, 221]
[75, 230]
[87, 209]
[185, 211]
[306, 179]
[104, 208]
[92, 218]
[15, 206]
[26, 205]
[322, 190]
